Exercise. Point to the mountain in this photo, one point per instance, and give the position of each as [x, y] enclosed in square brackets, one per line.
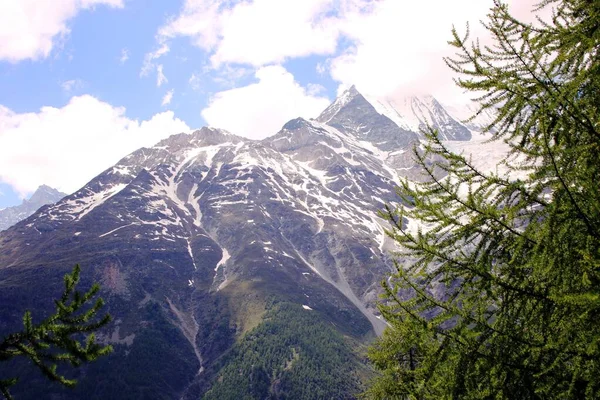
[417, 113]
[42, 196]
[353, 114]
[233, 268]
[409, 115]
[470, 117]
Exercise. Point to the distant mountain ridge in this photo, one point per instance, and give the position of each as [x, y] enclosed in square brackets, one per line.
[42, 196]
[206, 239]
[416, 113]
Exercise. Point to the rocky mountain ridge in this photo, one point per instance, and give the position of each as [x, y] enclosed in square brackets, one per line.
[203, 230]
[42, 196]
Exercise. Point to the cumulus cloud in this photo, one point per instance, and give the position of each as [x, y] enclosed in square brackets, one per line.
[260, 109]
[257, 33]
[270, 31]
[385, 47]
[168, 97]
[29, 29]
[398, 45]
[66, 147]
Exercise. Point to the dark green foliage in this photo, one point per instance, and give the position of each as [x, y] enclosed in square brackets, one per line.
[501, 297]
[65, 338]
[292, 354]
[136, 371]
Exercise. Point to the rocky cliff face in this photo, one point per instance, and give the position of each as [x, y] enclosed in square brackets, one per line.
[42, 196]
[192, 238]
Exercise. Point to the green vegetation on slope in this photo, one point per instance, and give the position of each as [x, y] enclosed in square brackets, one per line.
[292, 354]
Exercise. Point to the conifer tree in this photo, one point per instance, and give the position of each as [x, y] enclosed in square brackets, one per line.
[498, 294]
[61, 338]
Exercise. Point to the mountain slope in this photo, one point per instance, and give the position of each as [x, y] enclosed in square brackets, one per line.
[42, 196]
[176, 232]
[353, 114]
[208, 240]
[416, 113]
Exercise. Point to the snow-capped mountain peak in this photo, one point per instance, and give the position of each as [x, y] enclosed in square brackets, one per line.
[472, 117]
[416, 113]
[411, 114]
[340, 102]
[42, 196]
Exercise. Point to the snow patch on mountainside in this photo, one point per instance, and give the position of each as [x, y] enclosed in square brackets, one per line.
[346, 97]
[464, 112]
[79, 208]
[114, 230]
[226, 256]
[191, 253]
[487, 155]
[400, 112]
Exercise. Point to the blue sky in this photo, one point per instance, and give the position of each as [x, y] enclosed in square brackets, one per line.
[85, 82]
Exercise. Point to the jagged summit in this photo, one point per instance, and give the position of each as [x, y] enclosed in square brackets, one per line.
[42, 196]
[353, 114]
[206, 136]
[416, 113]
[472, 117]
[45, 195]
[341, 101]
[410, 114]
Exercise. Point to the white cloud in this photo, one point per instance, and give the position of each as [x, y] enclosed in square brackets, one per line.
[387, 48]
[168, 97]
[260, 109]
[160, 76]
[228, 76]
[148, 64]
[199, 19]
[195, 81]
[399, 45]
[72, 85]
[321, 69]
[124, 56]
[257, 33]
[390, 46]
[66, 147]
[269, 31]
[67, 86]
[29, 29]
[315, 89]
